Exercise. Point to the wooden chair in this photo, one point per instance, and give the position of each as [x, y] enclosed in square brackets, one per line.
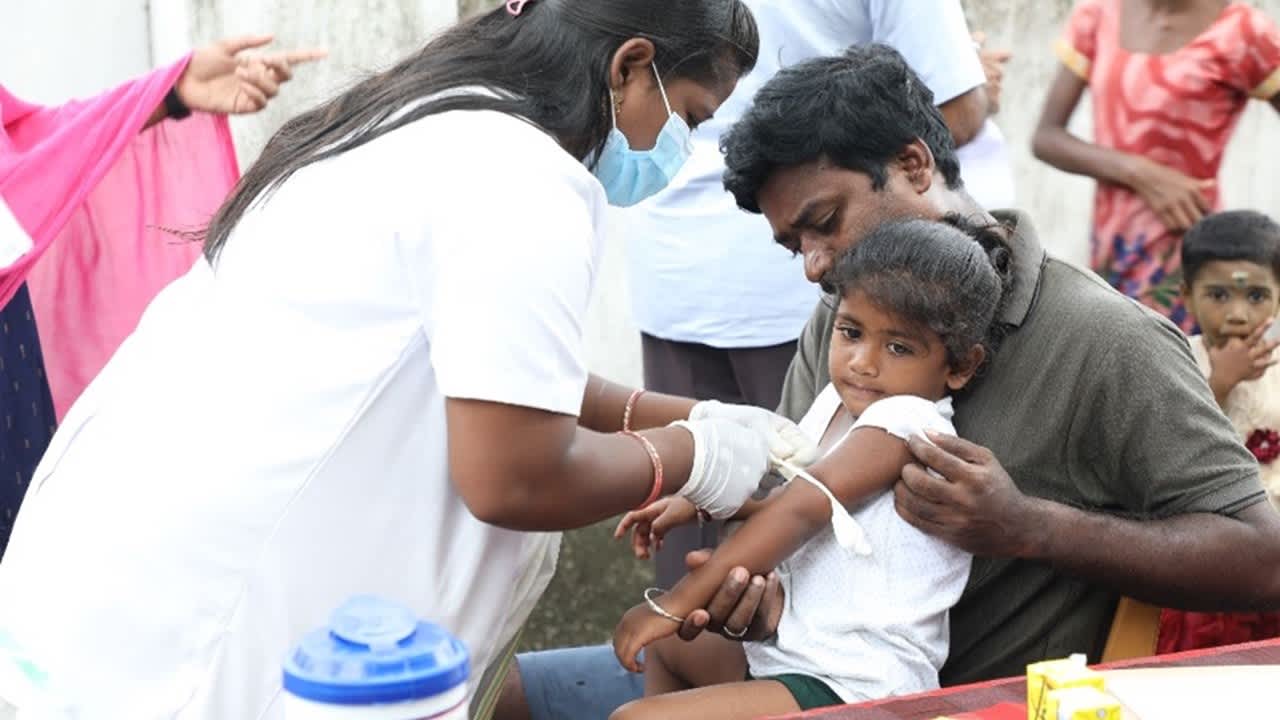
[1133, 631]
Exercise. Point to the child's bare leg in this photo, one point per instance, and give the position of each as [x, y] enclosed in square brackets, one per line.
[672, 664]
[732, 701]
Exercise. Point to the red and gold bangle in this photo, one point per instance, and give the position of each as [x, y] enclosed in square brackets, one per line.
[629, 409]
[656, 492]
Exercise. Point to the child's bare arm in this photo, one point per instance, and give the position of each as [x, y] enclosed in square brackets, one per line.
[868, 461]
[650, 525]
[751, 507]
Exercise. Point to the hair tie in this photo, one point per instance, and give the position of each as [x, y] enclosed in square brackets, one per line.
[515, 7]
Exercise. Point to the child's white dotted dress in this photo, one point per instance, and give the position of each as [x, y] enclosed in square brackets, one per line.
[873, 625]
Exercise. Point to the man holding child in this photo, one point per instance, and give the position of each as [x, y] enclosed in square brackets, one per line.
[1095, 462]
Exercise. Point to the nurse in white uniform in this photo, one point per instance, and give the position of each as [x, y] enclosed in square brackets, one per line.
[374, 382]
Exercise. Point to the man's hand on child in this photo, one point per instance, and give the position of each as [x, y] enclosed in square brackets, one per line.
[742, 601]
[650, 525]
[1238, 360]
[974, 505]
[639, 628]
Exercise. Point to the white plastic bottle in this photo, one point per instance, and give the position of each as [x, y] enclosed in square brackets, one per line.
[377, 661]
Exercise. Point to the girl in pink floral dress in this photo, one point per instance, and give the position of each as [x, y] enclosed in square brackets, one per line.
[1169, 82]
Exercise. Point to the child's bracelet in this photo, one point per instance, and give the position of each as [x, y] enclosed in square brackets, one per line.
[658, 609]
[656, 492]
[629, 409]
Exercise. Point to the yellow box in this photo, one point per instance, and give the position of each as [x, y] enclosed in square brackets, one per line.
[1082, 703]
[1045, 677]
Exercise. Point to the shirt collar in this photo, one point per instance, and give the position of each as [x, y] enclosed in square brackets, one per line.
[1029, 258]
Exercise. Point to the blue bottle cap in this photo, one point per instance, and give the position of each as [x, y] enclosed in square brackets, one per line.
[375, 652]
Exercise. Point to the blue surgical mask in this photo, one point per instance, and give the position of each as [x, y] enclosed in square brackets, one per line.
[630, 176]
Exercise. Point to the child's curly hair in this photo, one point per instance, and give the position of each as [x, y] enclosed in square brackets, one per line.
[951, 277]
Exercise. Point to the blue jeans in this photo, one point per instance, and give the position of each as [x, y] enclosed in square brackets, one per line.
[582, 683]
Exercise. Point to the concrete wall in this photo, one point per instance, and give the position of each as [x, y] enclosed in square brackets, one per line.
[362, 36]
[467, 8]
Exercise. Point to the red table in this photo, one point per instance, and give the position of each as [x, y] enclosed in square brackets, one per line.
[967, 698]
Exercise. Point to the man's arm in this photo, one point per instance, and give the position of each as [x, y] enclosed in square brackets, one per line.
[966, 114]
[993, 62]
[1166, 469]
[1193, 561]
[1153, 561]
[944, 57]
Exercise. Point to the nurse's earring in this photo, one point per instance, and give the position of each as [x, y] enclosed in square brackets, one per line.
[614, 106]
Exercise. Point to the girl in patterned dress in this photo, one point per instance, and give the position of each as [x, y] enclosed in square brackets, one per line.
[1169, 80]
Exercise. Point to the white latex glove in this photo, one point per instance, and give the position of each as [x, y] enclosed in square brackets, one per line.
[786, 441]
[729, 460]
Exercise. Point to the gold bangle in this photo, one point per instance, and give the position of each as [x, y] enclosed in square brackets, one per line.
[656, 461]
[658, 609]
[629, 408]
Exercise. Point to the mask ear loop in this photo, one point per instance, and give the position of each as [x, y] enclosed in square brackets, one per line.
[658, 76]
[670, 114]
[613, 99]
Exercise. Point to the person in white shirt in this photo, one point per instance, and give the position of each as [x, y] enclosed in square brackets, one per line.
[718, 303]
[374, 379]
[984, 161]
[867, 593]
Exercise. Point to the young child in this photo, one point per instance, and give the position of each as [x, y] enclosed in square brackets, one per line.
[1231, 265]
[917, 302]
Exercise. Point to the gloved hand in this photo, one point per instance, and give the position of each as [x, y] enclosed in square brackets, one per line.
[786, 441]
[729, 460]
